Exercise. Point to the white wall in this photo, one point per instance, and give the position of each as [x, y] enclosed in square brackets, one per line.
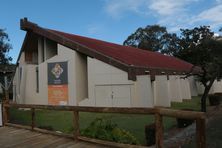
[26, 92]
[193, 86]
[30, 95]
[185, 88]
[41, 52]
[104, 79]
[81, 77]
[100, 74]
[217, 87]
[143, 92]
[161, 91]
[175, 92]
[200, 88]
[50, 48]
[1, 90]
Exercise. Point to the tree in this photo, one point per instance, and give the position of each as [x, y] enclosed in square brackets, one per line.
[202, 49]
[5, 47]
[154, 38]
[197, 46]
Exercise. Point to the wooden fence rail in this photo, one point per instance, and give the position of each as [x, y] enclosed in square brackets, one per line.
[199, 117]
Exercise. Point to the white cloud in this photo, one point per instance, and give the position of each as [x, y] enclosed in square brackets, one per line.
[169, 7]
[176, 22]
[219, 1]
[212, 15]
[174, 14]
[116, 8]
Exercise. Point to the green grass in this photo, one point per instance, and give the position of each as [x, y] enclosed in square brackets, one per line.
[62, 120]
[194, 104]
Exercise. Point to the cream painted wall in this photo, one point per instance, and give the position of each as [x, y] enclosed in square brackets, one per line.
[75, 75]
[103, 79]
[174, 85]
[50, 47]
[21, 79]
[217, 87]
[193, 86]
[18, 81]
[30, 95]
[100, 73]
[1, 90]
[27, 93]
[40, 50]
[185, 88]
[81, 77]
[200, 88]
[161, 91]
[143, 92]
[15, 84]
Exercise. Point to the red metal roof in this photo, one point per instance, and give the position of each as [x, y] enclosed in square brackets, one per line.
[129, 55]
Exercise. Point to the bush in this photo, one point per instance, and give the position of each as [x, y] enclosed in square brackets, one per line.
[123, 136]
[214, 99]
[150, 133]
[106, 130]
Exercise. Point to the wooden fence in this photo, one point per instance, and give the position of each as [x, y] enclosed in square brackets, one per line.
[199, 117]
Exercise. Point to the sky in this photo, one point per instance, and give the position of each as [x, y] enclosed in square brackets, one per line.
[108, 20]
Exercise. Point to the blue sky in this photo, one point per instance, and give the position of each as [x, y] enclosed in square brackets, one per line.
[109, 20]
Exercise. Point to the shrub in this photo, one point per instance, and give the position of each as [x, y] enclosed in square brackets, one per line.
[106, 130]
[214, 99]
[150, 133]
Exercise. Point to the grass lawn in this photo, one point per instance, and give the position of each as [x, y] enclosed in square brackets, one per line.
[62, 120]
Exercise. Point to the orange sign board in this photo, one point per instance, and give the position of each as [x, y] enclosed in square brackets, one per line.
[58, 94]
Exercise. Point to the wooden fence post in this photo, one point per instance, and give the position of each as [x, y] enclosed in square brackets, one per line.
[33, 118]
[159, 130]
[76, 124]
[201, 133]
[5, 114]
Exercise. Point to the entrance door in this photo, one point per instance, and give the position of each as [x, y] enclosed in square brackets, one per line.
[121, 96]
[113, 95]
[103, 95]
